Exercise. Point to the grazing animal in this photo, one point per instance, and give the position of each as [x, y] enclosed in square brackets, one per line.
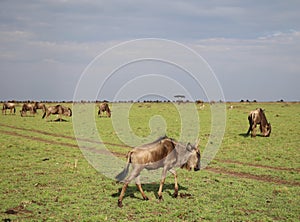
[28, 107]
[39, 105]
[59, 110]
[10, 106]
[163, 153]
[103, 107]
[258, 117]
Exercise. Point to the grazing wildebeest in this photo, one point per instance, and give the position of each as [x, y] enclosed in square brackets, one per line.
[258, 117]
[165, 153]
[103, 107]
[59, 110]
[10, 106]
[28, 107]
[39, 105]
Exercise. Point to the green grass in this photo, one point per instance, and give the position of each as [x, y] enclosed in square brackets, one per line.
[45, 177]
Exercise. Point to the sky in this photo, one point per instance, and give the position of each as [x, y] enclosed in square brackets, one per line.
[252, 49]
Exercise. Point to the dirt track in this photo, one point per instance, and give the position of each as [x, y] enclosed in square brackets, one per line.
[219, 170]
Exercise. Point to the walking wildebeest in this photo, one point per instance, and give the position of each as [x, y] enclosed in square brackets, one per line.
[28, 107]
[258, 117]
[104, 108]
[59, 110]
[165, 153]
[10, 106]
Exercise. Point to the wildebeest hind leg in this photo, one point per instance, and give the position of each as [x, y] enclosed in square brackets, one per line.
[122, 194]
[133, 175]
[253, 133]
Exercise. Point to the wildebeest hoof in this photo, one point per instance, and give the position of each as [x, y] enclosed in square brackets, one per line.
[145, 198]
[160, 198]
[175, 195]
[120, 203]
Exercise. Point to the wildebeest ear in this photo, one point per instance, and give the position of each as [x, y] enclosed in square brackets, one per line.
[189, 147]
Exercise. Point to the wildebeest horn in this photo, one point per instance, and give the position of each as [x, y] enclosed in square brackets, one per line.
[197, 143]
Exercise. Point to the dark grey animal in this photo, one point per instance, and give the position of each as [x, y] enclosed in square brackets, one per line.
[10, 106]
[163, 153]
[28, 107]
[59, 110]
[258, 117]
[103, 107]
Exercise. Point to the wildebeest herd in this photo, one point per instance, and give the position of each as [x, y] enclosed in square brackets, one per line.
[54, 110]
[165, 152]
[33, 107]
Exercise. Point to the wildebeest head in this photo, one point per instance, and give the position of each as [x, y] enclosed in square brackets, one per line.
[268, 129]
[70, 112]
[67, 111]
[193, 160]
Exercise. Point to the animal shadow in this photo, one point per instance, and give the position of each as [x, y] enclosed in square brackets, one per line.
[58, 120]
[244, 134]
[133, 192]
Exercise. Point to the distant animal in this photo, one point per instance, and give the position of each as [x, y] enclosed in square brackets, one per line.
[28, 107]
[10, 106]
[39, 105]
[57, 110]
[163, 153]
[103, 107]
[258, 117]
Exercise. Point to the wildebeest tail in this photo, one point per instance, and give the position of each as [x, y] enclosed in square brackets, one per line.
[70, 111]
[121, 176]
[44, 114]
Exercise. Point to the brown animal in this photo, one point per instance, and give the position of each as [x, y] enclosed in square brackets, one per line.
[28, 107]
[39, 105]
[59, 110]
[104, 108]
[258, 117]
[10, 106]
[163, 153]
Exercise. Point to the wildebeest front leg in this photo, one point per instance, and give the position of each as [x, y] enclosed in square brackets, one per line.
[176, 183]
[162, 181]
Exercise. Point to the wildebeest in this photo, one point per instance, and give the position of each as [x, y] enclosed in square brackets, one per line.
[28, 107]
[59, 110]
[103, 107]
[39, 105]
[10, 106]
[163, 153]
[258, 117]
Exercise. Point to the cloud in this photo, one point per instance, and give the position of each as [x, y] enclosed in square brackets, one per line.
[255, 67]
[238, 38]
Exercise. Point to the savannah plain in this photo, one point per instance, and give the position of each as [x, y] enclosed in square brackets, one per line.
[45, 177]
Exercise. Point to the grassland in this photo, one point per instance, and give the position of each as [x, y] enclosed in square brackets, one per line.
[44, 176]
